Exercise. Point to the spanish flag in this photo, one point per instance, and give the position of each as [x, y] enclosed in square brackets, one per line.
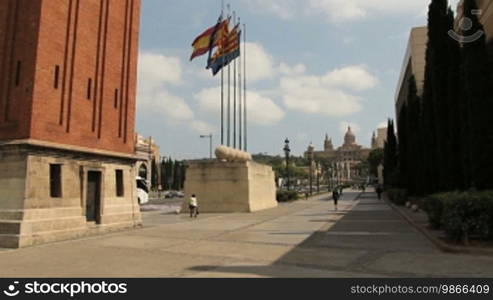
[209, 38]
[228, 50]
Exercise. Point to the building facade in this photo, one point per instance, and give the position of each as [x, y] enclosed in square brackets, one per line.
[413, 65]
[344, 160]
[67, 112]
[148, 153]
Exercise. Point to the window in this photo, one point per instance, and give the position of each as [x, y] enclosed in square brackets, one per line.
[119, 183]
[18, 73]
[89, 88]
[56, 181]
[116, 98]
[57, 73]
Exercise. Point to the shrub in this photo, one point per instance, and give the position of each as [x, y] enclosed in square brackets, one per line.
[285, 196]
[433, 206]
[462, 215]
[397, 196]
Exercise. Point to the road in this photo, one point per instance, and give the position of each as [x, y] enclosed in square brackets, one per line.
[307, 238]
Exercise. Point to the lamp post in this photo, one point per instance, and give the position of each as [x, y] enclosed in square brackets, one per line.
[210, 143]
[310, 163]
[287, 150]
[318, 176]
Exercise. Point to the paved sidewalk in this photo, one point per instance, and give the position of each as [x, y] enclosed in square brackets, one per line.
[365, 238]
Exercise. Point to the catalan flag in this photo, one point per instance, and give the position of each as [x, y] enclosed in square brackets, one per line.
[228, 50]
[209, 38]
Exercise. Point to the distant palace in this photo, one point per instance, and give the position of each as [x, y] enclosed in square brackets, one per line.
[345, 158]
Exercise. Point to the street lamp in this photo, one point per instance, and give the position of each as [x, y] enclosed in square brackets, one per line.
[310, 162]
[287, 150]
[210, 143]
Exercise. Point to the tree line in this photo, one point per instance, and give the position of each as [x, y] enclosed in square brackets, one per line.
[445, 136]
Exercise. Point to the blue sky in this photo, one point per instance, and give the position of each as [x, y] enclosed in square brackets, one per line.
[314, 66]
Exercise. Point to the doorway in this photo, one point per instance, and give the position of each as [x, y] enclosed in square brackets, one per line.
[93, 200]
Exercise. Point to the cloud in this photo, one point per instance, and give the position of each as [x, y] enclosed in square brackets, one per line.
[261, 110]
[353, 77]
[335, 10]
[155, 73]
[355, 128]
[283, 9]
[286, 69]
[383, 125]
[260, 64]
[327, 94]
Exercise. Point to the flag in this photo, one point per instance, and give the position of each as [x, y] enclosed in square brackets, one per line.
[227, 51]
[208, 39]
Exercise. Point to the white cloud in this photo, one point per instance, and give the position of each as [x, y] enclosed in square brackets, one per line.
[283, 9]
[353, 77]
[325, 94]
[260, 64]
[355, 128]
[383, 125]
[155, 73]
[155, 69]
[261, 110]
[202, 127]
[336, 10]
[286, 69]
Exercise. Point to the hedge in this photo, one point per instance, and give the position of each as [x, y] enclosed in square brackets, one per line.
[285, 196]
[462, 215]
[397, 196]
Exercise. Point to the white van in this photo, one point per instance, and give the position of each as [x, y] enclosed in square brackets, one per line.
[142, 191]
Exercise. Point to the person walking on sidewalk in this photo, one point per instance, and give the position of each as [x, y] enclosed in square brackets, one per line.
[379, 191]
[335, 197]
[193, 206]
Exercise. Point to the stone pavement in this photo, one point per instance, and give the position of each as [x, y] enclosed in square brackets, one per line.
[365, 238]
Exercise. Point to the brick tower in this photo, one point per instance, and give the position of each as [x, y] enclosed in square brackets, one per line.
[67, 112]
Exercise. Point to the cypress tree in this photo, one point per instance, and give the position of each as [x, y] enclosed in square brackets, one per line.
[403, 147]
[477, 89]
[458, 146]
[413, 155]
[391, 175]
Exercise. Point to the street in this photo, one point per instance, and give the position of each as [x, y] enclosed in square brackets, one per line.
[307, 238]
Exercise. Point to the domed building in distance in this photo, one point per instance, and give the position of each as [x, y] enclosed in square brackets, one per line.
[343, 159]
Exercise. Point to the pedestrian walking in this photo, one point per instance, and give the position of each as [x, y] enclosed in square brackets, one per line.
[193, 206]
[379, 191]
[335, 197]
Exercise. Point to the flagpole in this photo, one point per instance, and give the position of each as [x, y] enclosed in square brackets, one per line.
[234, 93]
[222, 89]
[229, 97]
[245, 127]
[240, 112]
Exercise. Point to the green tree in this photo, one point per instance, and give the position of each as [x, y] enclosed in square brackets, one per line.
[375, 159]
[477, 89]
[390, 162]
[403, 146]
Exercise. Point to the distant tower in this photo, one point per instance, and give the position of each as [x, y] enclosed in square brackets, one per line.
[374, 143]
[349, 138]
[328, 146]
[68, 75]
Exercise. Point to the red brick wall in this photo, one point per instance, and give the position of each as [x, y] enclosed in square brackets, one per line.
[94, 40]
[18, 33]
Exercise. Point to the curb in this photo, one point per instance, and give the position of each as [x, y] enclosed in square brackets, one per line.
[444, 247]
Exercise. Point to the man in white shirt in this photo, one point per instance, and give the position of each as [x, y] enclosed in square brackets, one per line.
[193, 206]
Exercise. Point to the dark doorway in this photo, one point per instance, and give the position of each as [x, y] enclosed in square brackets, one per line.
[143, 171]
[93, 201]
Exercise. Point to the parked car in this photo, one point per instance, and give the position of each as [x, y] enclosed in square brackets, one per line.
[142, 190]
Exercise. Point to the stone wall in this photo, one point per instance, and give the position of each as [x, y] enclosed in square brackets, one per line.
[226, 187]
[30, 216]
